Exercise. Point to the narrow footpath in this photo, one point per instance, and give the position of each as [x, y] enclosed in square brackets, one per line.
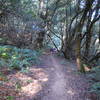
[64, 83]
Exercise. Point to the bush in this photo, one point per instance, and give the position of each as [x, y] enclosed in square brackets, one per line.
[16, 58]
[95, 76]
[95, 88]
[95, 73]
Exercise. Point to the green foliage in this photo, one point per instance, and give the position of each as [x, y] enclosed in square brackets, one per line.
[3, 62]
[3, 40]
[95, 73]
[16, 58]
[25, 70]
[10, 98]
[96, 88]
[17, 64]
[96, 69]
[3, 77]
[95, 76]
[18, 86]
[29, 81]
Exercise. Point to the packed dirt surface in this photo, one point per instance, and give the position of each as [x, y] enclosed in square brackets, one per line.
[64, 82]
[54, 79]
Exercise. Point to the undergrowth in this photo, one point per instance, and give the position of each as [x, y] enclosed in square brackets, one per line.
[95, 77]
[16, 58]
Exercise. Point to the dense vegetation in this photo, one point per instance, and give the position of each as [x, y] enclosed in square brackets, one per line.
[15, 58]
[72, 27]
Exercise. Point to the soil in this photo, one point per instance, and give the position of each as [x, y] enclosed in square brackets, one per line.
[64, 82]
[54, 79]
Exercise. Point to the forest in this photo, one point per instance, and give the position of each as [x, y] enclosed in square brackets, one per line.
[49, 49]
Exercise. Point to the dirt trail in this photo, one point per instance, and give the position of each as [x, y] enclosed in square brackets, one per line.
[53, 79]
[64, 82]
[57, 91]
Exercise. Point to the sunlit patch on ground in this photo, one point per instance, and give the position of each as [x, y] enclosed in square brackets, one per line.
[31, 89]
[22, 85]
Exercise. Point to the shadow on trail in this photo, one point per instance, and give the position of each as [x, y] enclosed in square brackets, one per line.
[54, 79]
[64, 82]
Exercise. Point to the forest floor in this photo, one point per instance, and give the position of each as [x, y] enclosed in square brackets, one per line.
[64, 82]
[54, 79]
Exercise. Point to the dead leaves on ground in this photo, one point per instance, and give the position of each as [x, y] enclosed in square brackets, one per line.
[19, 85]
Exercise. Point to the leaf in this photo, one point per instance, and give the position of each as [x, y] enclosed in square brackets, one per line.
[10, 97]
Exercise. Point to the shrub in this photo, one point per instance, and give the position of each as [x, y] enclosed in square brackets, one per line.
[16, 58]
[95, 88]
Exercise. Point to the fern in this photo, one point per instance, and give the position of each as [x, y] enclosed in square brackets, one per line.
[95, 88]
[16, 58]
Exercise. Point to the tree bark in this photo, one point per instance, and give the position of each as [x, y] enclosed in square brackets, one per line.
[78, 55]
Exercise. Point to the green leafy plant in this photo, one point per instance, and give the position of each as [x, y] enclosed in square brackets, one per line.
[18, 86]
[3, 77]
[3, 63]
[10, 97]
[95, 74]
[16, 58]
[29, 81]
[95, 88]
[25, 70]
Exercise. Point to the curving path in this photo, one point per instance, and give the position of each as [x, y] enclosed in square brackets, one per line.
[65, 83]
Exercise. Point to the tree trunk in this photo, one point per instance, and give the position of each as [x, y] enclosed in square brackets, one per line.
[38, 42]
[88, 42]
[78, 55]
